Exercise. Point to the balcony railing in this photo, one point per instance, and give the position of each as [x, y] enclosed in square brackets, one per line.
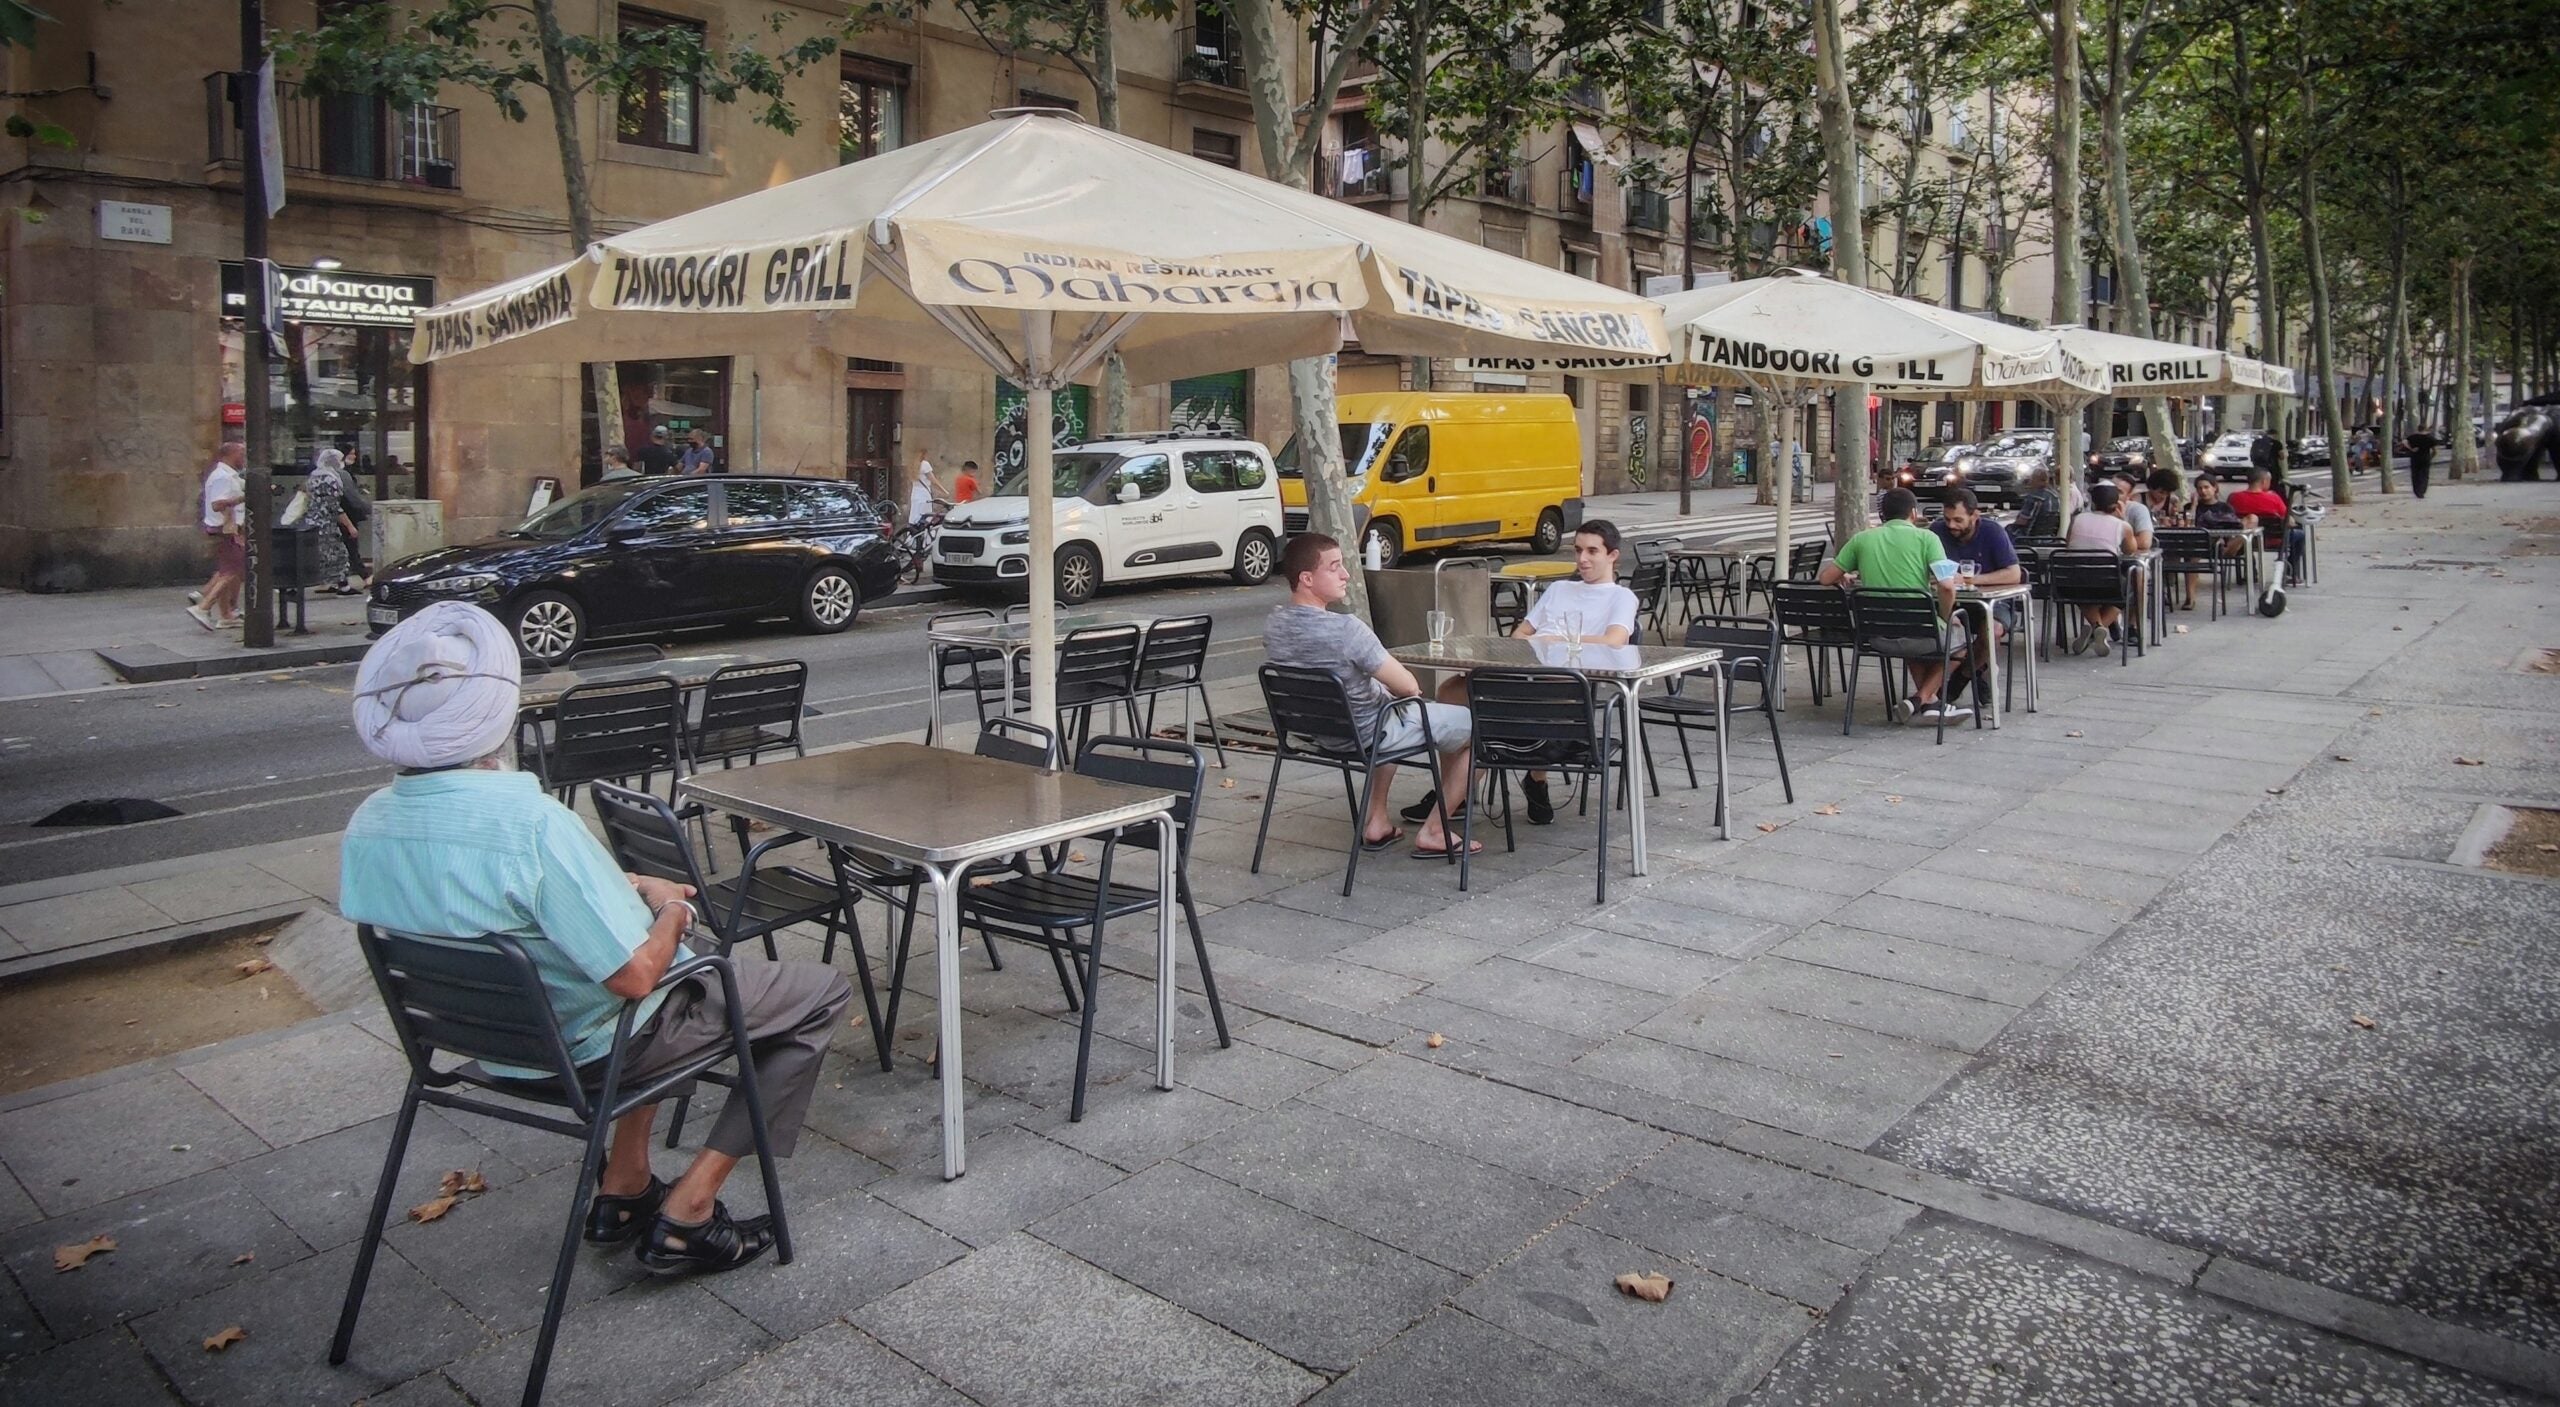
[353, 135]
[1511, 184]
[1647, 210]
[1206, 53]
[1375, 182]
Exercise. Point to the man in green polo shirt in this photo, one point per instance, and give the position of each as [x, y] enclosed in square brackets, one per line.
[1898, 554]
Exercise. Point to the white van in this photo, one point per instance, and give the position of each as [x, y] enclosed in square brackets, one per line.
[1128, 509]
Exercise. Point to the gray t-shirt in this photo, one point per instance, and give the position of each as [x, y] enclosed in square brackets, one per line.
[1343, 645]
[2138, 513]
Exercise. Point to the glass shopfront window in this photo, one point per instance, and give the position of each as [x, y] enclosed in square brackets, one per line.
[682, 396]
[339, 376]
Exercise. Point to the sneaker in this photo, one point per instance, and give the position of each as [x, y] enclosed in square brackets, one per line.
[1933, 713]
[197, 614]
[2115, 635]
[1421, 811]
[195, 598]
[1542, 807]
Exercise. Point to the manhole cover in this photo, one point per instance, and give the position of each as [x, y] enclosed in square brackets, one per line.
[2514, 839]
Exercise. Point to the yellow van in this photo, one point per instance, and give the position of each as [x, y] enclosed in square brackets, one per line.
[1434, 469]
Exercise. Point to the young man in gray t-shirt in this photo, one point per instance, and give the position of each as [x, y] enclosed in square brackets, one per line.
[1386, 700]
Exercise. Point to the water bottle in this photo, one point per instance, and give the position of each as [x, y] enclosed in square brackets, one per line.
[1372, 554]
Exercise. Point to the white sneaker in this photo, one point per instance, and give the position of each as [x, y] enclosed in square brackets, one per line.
[197, 614]
[1952, 713]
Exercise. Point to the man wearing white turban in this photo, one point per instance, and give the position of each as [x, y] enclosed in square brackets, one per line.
[459, 845]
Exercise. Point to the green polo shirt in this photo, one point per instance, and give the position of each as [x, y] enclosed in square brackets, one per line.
[1893, 555]
[461, 853]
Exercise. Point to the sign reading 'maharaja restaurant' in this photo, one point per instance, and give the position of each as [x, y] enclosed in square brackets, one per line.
[338, 297]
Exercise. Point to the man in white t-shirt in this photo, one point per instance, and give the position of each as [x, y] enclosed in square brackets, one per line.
[218, 512]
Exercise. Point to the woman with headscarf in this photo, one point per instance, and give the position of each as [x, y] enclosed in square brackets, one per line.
[460, 845]
[324, 490]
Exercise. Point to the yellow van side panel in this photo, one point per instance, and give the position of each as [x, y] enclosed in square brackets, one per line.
[1497, 463]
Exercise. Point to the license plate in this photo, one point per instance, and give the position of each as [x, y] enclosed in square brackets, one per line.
[960, 559]
[382, 615]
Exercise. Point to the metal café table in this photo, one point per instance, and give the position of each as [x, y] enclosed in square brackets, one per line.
[1008, 638]
[541, 691]
[1977, 601]
[1623, 667]
[943, 812]
[2248, 538]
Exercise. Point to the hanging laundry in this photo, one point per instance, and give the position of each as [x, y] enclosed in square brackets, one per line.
[1355, 165]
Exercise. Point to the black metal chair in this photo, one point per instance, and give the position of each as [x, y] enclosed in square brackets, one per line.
[748, 710]
[1066, 913]
[1311, 722]
[1013, 740]
[1097, 668]
[1804, 563]
[619, 732]
[1752, 655]
[2091, 576]
[1900, 625]
[1539, 720]
[608, 656]
[975, 670]
[1707, 585]
[1650, 581]
[1815, 618]
[2193, 552]
[480, 1001]
[1175, 660]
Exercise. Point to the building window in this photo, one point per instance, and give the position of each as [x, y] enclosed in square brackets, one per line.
[662, 107]
[1037, 99]
[1223, 148]
[681, 396]
[871, 109]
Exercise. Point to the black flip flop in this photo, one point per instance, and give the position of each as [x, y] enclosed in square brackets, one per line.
[1388, 842]
[1446, 851]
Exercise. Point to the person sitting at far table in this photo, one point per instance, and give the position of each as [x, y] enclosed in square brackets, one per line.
[2039, 508]
[461, 844]
[2162, 493]
[2210, 512]
[2261, 506]
[1984, 556]
[1898, 554]
[1305, 630]
[2137, 512]
[2101, 527]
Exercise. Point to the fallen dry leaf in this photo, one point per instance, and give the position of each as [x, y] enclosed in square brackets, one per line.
[1892, 800]
[2547, 849]
[1826, 809]
[244, 1257]
[1768, 827]
[225, 1339]
[254, 966]
[2275, 791]
[463, 1182]
[433, 1210]
[2177, 630]
[1075, 857]
[2074, 733]
[74, 1257]
[2340, 757]
[263, 939]
[2469, 762]
[1227, 783]
[1646, 1286]
[2362, 1022]
[1436, 1040]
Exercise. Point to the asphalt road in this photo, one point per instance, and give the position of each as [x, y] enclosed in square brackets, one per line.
[257, 758]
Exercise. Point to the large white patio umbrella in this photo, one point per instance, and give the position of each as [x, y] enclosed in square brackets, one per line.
[1033, 245]
[2145, 366]
[2024, 364]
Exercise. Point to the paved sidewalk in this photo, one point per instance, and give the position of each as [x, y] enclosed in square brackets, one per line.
[2033, 1068]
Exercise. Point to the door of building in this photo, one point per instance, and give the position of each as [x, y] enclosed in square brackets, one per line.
[870, 446]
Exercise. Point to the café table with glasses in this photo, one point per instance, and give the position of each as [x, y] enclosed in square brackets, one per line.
[1978, 602]
[1007, 638]
[945, 813]
[1624, 668]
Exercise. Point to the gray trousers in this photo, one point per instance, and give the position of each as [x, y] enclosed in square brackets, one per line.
[790, 1009]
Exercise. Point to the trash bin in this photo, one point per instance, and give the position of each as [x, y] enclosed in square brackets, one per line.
[293, 564]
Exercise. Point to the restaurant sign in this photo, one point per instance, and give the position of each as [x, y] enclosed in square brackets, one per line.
[339, 297]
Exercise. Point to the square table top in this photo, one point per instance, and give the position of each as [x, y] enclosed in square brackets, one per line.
[925, 805]
[1018, 632]
[689, 671]
[1461, 653]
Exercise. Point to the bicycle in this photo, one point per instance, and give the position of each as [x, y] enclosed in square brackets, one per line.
[911, 548]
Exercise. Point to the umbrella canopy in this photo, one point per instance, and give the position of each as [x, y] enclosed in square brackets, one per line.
[1034, 246]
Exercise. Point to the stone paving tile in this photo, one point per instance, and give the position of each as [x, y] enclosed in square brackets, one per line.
[21, 1331]
[1299, 1285]
[92, 916]
[1023, 1324]
[1737, 1245]
[1307, 1043]
[105, 1142]
[1512, 912]
[16, 1207]
[1251, 1075]
[1805, 1046]
[834, 1366]
[1219, 886]
[896, 1119]
[1464, 1029]
[2072, 831]
[1683, 925]
[1996, 899]
[1454, 1359]
[1032, 1056]
[1874, 1004]
[2013, 836]
[1015, 1177]
[1448, 1209]
[1922, 964]
[306, 1085]
[408, 1327]
[1286, 933]
[1556, 1142]
[1844, 877]
[1139, 1133]
[1711, 1338]
[1835, 847]
[1776, 903]
[103, 1370]
[494, 1253]
[1850, 1115]
[845, 1253]
[1577, 1005]
[1372, 905]
[1956, 1313]
[641, 1347]
[1421, 951]
[172, 1244]
[1808, 1202]
[1628, 962]
[323, 1188]
[213, 892]
[1335, 983]
[2034, 874]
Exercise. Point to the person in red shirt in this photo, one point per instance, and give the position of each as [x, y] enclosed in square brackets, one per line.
[2260, 506]
[965, 487]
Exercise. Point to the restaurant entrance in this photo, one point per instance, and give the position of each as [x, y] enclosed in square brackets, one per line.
[339, 375]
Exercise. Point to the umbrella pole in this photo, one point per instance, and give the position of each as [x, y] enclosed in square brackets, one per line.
[1039, 422]
[1783, 401]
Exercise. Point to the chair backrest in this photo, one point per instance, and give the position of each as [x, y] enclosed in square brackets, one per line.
[1813, 607]
[644, 835]
[1804, 559]
[1157, 766]
[2085, 576]
[604, 731]
[1310, 705]
[1176, 645]
[1533, 716]
[1099, 655]
[1652, 551]
[961, 658]
[1745, 640]
[607, 656]
[2185, 547]
[477, 998]
[1885, 613]
[1013, 740]
[754, 696]
[1648, 580]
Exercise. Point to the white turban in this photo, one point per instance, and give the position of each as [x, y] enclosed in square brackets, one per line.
[440, 689]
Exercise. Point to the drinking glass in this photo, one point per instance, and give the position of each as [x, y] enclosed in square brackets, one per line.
[1965, 571]
[1437, 622]
[1571, 624]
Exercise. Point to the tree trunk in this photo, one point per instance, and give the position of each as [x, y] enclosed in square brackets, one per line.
[2323, 334]
[2267, 410]
[2069, 450]
[2395, 332]
[573, 176]
[1838, 117]
[2133, 280]
[1417, 138]
[1106, 114]
[2465, 457]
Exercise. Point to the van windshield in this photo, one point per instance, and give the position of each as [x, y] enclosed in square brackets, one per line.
[1360, 444]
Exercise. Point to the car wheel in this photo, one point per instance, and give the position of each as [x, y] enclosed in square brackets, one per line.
[549, 627]
[1253, 559]
[1388, 534]
[1079, 574]
[829, 601]
[1550, 532]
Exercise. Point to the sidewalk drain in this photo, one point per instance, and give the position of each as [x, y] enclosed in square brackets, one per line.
[2513, 839]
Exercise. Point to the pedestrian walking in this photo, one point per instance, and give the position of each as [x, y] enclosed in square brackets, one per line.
[925, 493]
[965, 487]
[2421, 449]
[324, 496]
[218, 509]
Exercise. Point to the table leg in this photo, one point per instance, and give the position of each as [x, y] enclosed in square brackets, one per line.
[1165, 970]
[932, 694]
[2034, 625]
[1634, 779]
[946, 1002]
[1981, 610]
[1724, 772]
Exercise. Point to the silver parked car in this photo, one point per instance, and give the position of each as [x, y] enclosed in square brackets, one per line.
[2228, 457]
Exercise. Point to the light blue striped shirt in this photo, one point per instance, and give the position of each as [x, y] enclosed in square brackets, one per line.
[471, 851]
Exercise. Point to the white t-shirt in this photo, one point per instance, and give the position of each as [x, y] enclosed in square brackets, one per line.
[920, 497]
[221, 483]
[1600, 607]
